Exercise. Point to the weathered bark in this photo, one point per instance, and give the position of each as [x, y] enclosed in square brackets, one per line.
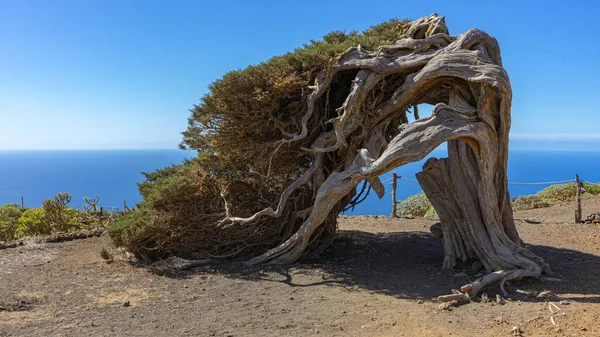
[371, 135]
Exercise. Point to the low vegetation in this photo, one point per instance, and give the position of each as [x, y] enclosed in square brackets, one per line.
[419, 206]
[554, 195]
[55, 215]
[415, 206]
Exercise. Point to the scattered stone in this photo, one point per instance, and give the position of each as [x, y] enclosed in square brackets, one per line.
[461, 274]
[484, 298]
[564, 302]
[436, 229]
[593, 218]
[500, 300]
[126, 303]
[448, 305]
[516, 331]
[419, 302]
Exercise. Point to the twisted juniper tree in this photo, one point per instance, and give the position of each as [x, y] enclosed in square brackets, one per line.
[284, 146]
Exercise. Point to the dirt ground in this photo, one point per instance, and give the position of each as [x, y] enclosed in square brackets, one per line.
[380, 277]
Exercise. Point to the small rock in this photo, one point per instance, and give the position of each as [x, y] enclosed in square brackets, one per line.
[484, 298]
[516, 331]
[500, 300]
[126, 303]
[447, 305]
[461, 275]
[564, 302]
[419, 302]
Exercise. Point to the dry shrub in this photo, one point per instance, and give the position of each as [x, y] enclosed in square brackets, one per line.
[524, 202]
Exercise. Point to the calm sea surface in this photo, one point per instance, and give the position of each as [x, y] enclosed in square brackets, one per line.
[113, 174]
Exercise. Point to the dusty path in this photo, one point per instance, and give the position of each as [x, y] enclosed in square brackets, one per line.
[377, 279]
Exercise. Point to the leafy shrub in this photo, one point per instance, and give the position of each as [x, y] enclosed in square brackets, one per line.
[32, 223]
[9, 218]
[558, 193]
[524, 202]
[431, 212]
[555, 194]
[415, 206]
[591, 188]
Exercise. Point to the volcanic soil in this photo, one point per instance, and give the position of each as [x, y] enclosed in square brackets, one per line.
[380, 277]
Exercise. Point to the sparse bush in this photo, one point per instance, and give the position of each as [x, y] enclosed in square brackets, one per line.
[59, 216]
[524, 202]
[91, 205]
[9, 221]
[105, 254]
[416, 206]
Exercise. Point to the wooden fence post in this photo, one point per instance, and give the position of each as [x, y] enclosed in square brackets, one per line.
[395, 177]
[22, 203]
[579, 187]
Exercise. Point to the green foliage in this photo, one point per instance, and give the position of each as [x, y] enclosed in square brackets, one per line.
[9, 218]
[555, 194]
[524, 202]
[58, 215]
[54, 215]
[32, 223]
[431, 212]
[415, 206]
[37, 221]
[552, 195]
[590, 188]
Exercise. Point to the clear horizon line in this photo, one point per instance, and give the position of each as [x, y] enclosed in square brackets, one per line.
[96, 149]
[567, 136]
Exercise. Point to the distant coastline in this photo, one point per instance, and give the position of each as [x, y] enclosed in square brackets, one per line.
[114, 174]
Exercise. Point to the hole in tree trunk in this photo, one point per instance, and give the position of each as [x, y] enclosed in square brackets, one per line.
[419, 111]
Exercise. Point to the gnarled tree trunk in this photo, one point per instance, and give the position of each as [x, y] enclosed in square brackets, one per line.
[464, 78]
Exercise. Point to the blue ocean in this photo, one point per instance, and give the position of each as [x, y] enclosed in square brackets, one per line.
[113, 174]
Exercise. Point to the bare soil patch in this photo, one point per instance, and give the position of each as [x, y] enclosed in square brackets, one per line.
[380, 277]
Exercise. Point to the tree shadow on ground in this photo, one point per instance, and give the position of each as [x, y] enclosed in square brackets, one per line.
[409, 265]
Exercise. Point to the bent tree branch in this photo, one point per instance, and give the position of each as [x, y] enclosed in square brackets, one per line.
[464, 78]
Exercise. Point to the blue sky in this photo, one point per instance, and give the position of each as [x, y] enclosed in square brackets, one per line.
[123, 74]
